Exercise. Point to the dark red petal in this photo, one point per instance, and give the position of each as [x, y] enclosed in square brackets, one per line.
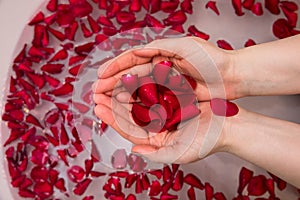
[140, 113]
[244, 178]
[167, 173]
[109, 31]
[62, 153]
[212, 5]
[51, 80]
[64, 138]
[145, 4]
[97, 174]
[272, 6]
[256, 186]
[237, 5]
[281, 28]
[178, 181]
[81, 187]
[135, 6]
[52, 5]
[36, 79]
[155, 188]
[153, 22]
[63, 90]
[187, 6]
[289, 5]
[26, 193]
[257, 9]
[39, 157]
[166, 196]
[76, 173]
[248, 4]
[57, 34]
[270, 187]
[161, 71]
[52, 68]
[145, 181]
[194, 181]
[219, 196]
[60, 184]
[169, 6]
[39, 17]
[70, 31]
[50, 19]
[249, 43]
[105, 21]
[291, 16]
[191, 193]
[39, 173]
[209, 191]
[154, 6]
[130, 197]
[191, 81]
[86, 32]
[60, 55]
[157, 173]
[175, 18]
[124, 17]
[130, 82]
[33, 120]
[93, 24]
[147, 91]
[130, 179]
[224, 45]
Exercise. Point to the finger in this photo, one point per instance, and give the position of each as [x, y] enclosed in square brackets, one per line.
[125, 97]
[124, 61]
[114, 105]
[121, 125]
[106, 84]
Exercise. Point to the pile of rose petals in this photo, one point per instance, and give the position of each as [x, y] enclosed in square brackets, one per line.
[48, 155]
[162, 100]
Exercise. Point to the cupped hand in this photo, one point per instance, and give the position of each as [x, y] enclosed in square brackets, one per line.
[193, 140]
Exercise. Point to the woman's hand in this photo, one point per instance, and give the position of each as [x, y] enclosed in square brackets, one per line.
[193, 140]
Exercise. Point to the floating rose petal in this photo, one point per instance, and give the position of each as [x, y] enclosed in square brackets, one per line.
[219, 196]
[63, 90]
[175, 18]
[257, 9]
[81, 187]
[119, 159]
[39, 17]
[76, 173]
[244, 178]
[135, 6]
[237, 5]
[224, 45]
[248, 4]
[124, 17]
[194, 181]
[130, 179]
[249, 43]
[39, 173]
[36, 79]
[145, 4]
[33, 120]
[86, 32]
[52, 5]
[57, 34]
[281, 28]
[153, 22]
[256, 186]
[178, 181]
[291, 16]
[52, 68]
[147, 91]
[186, 6]
[169, 6]
[60, 184]
[209, 191]
[212, 5]
[93, 24]
[60, 55]
[289, 5]
[70, 31]
[273, 6]
[130, 82]
[39, 157]
[191, 193]
[136, 163]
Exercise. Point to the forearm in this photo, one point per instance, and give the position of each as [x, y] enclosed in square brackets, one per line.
[270, 143]
[269, 69]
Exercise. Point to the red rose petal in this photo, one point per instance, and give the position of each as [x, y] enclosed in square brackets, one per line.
[209, 191]
[249, 43]
[224, 45]
[248, 4]
[86, 32]
[39, 17]
[281, 28]
[155, 188]
[130, 179]
[130, 197]
[289, 5]
[178, 181]
[213, 6]
[175, 18]
[39, 173]
[191, 193]
[169, 6]
[194, 181]
[291, 16]
[270, 187]
[244, 178]
[272, 6]
[161, 71]
[60, 184]
[237, 5]
[256, 186]
[65, 89]
[145, 4]
[124, 17]
[76, 173]
[52, 68]
[147, 91]
[135, 6]
[57, 34]
[153, 22]
[130, 82]
[119, 159]
[219, 196]
[70, 31]
[81, 187]
[33, 120]
[93, 24]
[187, 6]
[257, 9]
[52, 5]
[154, 6]
[60, 55]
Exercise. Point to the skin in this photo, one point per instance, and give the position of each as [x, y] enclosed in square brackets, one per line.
[270, 143]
